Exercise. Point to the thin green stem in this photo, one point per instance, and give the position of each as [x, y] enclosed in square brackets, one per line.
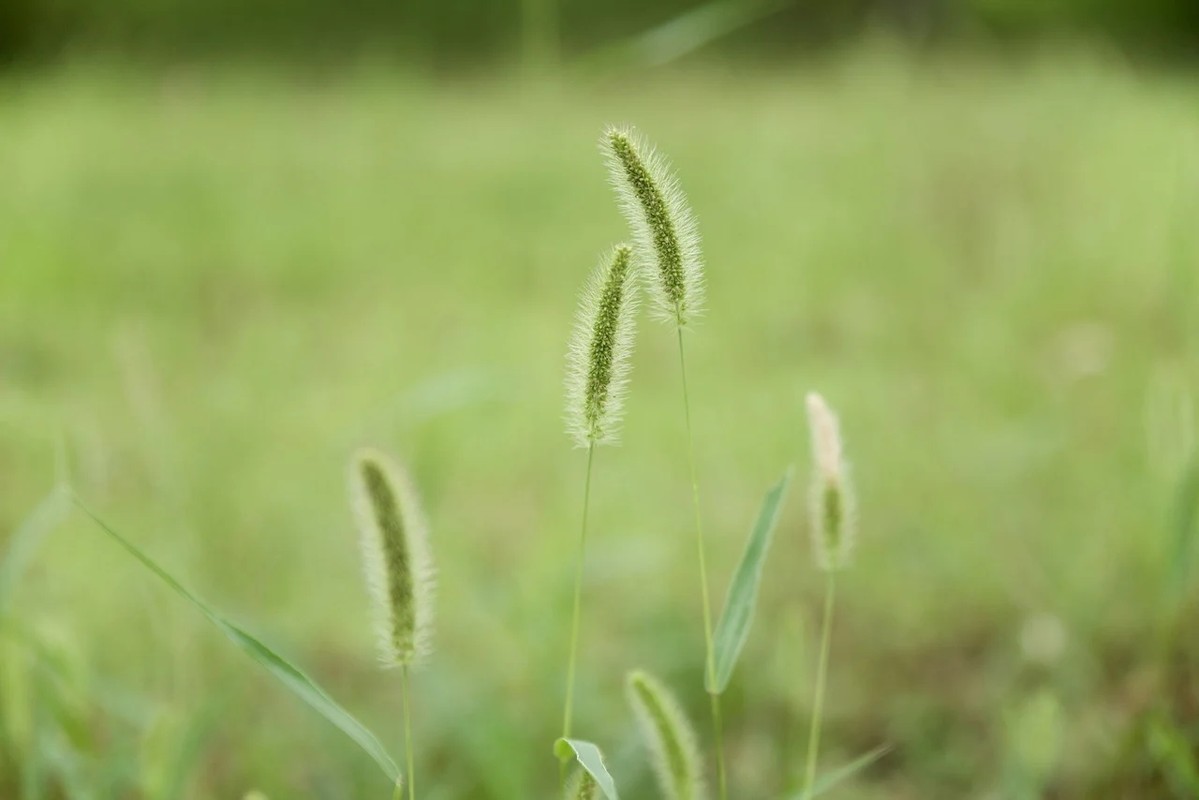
[821, 675]
[568, 711]
[408, 734]
[710, 653]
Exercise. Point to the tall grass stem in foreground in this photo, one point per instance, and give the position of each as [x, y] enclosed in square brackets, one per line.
[667, 244]
[709, 646]
[576, 613]
[399, 572]
[832, 529]
[598, 363]
[408, 754]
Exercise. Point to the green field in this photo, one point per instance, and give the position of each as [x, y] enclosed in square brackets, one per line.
[215, 284]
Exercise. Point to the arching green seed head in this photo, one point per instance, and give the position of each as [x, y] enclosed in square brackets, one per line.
[669, 735]
[599, 358]
[665, 234]
[395, 556]
[833, 521]
[582, 787]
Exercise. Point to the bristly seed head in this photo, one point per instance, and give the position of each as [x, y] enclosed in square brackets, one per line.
[582, 787]
[665, 233]
[598, 360]
[395, 557]
[669, 735]
[831, 504]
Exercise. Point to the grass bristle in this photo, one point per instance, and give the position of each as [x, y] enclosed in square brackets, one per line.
[395, 556]
[669, 735]
[599, 358]
[831, 499]
[665, 234]
[582, 787]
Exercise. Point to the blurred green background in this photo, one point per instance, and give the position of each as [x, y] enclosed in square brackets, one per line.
[238, 240]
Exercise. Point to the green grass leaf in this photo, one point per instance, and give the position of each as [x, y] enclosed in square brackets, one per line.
[291, 676]
[25, 540]
[1186, 525]
[827, 782]
[738, 613]
[684, 34]
[591, 759]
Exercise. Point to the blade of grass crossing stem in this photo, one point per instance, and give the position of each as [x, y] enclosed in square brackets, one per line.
[591, 759]
[291, 676]
[738, 614]
[837, 776]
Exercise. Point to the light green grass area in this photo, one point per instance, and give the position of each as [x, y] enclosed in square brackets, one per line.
[214, 286]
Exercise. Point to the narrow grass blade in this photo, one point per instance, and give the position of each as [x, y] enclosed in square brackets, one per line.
[302, 686]
[738, 613]
[25, 540]
[591, 759]
[829, 781]
[1186, 526]
[684, 34]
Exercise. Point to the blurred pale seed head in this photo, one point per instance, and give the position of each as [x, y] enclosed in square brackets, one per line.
[1043, 639]
[830, 498]
[395, 554]
[582, 786]
[669, 735]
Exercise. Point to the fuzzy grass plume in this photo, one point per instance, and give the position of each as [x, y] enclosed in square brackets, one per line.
[596, 379]
[831, 503]
[667, 250]
[669, 735]
[582, 787]
[831, 507]
[598, 360]
[665, 233]
[395, 555]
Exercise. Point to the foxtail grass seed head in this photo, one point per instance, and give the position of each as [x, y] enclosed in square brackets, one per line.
[395, 557]
[665, 234]
[601, 348]
[669, 735]
[582, 787]
[831, 502]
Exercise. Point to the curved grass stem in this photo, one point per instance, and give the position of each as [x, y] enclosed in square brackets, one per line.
[821, 676]
[568, 710]
[710, 655]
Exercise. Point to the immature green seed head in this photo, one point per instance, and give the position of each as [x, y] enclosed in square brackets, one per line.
[669, 736]
[665, 234]
[395, 557]
[582, 787]
[598, 361]
[833, 520]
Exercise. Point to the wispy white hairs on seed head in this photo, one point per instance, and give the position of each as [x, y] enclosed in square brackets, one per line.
[668, 733]
[665, 233]
[582, 787]
[600, 354]
[830, 499]
[395, 557]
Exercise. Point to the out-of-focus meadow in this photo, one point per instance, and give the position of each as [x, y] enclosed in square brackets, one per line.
[215, 281]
